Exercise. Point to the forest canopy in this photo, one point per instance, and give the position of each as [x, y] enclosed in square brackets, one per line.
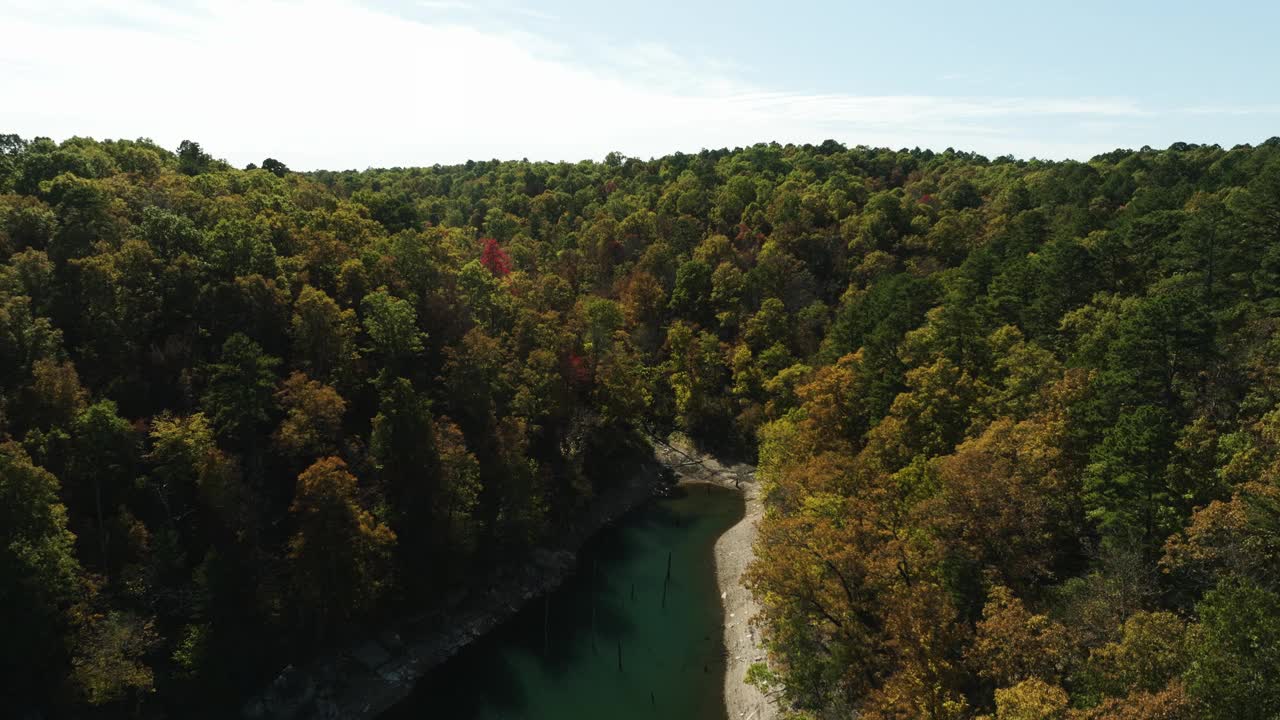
[1017, 422]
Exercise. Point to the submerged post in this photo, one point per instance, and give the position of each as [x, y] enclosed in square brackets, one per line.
[619, 656]
[595, 570]
[666, 581]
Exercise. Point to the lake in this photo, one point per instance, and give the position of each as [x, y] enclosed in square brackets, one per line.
[558, 658]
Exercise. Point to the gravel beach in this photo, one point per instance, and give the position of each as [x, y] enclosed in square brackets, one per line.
[733, 552]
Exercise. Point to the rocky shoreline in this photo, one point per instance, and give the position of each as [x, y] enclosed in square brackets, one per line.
[369, 677]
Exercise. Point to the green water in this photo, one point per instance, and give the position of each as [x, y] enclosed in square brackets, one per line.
[548, 663]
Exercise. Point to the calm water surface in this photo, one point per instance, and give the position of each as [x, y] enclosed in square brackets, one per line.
[553, 662]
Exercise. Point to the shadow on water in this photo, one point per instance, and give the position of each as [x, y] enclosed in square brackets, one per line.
[559, 656]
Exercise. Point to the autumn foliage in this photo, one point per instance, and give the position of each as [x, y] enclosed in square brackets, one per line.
[493, 257]
[1016, 423]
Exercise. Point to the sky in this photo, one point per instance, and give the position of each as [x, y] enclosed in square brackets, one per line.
[341, 84]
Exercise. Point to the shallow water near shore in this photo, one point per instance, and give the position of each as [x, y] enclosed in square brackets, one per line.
[558, 658]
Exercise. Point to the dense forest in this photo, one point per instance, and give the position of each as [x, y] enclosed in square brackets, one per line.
[1017, 422]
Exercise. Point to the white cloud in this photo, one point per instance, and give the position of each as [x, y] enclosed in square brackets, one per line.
[443, 5]
[335, 84]
[531, 13]
[1233, 110]
[487, 7]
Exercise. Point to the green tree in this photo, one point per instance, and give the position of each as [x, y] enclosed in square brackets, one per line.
[459, 489]
[1235, 653]
[239, 398]
[1151, 651]
[109, 666]
[189, 473]
[275, 167]
[692, 292]
[41, 581]
[402, 449]
[392, 326]
[323, 334]
[339, 555]
[192, 160]
[603, 318]
[105, 450]
[1124, 488]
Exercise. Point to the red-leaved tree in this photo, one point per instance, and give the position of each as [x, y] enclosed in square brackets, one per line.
[579, 372]
[495, 258]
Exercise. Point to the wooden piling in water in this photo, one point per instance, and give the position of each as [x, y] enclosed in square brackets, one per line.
[666, 581]
[595, 570]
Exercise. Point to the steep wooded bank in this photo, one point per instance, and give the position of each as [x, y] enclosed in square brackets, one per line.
[375, 672]
[1016, 420]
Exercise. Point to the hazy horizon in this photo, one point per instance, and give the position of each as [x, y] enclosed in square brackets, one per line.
[342, 84]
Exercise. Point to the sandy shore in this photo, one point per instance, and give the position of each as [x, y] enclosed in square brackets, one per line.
[369, 676]
[741, 641]
[733, 553]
